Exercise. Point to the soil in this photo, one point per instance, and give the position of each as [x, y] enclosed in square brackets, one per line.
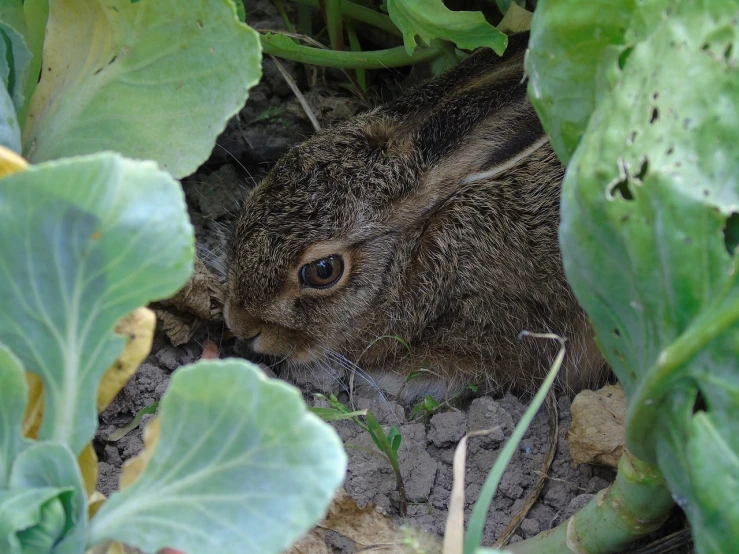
[271, 121]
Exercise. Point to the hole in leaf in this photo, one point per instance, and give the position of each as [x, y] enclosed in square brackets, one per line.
[655, 95]
[731, 233]
[655, 115]
[623, 57]
[700, 403]
[616, 332]
[705, 46]
[670, 150]
[643, 170]
[632, 137]
[622, 188]
[727, 52]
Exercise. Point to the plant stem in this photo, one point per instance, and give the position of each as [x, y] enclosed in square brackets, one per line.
[334, 24]
[360, 13]
[283, 14]
[647, 400]
[377, 59]
[638, 503]
[305, 25]
[356, 47]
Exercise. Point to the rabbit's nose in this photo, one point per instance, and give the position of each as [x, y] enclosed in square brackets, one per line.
[241, 323]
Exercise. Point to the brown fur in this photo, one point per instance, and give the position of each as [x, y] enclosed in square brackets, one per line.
[455, 267]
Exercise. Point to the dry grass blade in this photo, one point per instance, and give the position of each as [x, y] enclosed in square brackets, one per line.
[454, 529]
[313, 42]
[299, 95]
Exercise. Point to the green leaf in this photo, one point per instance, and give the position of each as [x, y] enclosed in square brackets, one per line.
[121, 432]
[570, 43]
[14, 53]
[395, 438]
[240, 11]
[431, 19]
[47, 465]
[37, 14]
[85, 241]
[332, 414]
[13, 393]
[152, 80]
[476, 525]
[238, 455]
[647, 199]
[10, 131]
[21, 510]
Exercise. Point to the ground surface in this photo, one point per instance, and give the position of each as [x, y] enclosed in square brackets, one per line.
[271, 121]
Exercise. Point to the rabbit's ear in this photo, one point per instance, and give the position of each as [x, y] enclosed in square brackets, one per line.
[480, 124]
[474, 118]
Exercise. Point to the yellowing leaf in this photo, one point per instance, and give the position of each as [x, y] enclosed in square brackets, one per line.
[10, 162]
[121, 75]
[110, 547]
[94, 501]
[88, 462]
[35, 406]
[516, 20]
[138, 326]
[133, 467]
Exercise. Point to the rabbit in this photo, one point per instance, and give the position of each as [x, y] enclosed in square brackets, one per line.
[415, 242]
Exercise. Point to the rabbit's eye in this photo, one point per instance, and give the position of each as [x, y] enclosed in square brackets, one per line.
[322, 273]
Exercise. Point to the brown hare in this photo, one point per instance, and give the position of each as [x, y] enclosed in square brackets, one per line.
[432, 219]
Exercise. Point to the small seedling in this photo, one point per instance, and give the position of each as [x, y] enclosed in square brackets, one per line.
[121, 432]
[425, 408]
[387, 443]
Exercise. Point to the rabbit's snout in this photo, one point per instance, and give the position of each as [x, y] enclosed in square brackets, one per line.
[240, 322]
[265, 337]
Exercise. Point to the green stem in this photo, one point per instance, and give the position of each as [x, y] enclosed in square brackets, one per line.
[646, 403]
[356, 47]
[377, 59]
[305, 23]
[283, 14]
[335, 24]
[360, 13]
[638, 503]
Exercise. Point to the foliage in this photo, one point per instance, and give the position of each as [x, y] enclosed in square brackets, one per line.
[85, 243]
[88, 239]
[274, 465]
[442, 31]
[151, 80]
[431, 19]
[73, 233]
[387, 443]
[649, 224]
[425, 407]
